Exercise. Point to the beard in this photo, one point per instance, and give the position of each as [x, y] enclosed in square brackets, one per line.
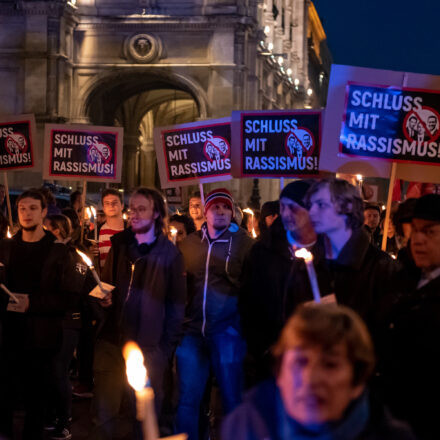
[29, 228]
[143, 229]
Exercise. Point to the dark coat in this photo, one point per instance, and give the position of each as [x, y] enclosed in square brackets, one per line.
[258, 418]
[276, 282]
[55, 292]
[214, 269]
[409, 355]
[149, 298]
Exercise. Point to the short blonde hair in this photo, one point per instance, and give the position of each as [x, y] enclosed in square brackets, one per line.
[326, 325]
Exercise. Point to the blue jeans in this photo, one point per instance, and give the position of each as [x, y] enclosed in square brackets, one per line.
[196, 355]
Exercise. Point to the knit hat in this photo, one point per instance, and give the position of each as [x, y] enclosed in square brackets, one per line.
[296, 191]
[219, 195]
[428, 208]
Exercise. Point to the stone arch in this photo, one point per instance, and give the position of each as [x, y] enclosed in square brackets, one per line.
[114, 87]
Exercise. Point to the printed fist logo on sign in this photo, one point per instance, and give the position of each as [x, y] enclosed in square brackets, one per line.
[216, 148]
[422, 125]
[16, 144]
[300, 143]
[99, 153]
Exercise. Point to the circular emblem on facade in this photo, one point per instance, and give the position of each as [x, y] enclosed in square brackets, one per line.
[143, 48]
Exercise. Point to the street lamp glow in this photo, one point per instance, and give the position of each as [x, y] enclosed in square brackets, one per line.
[266, 30]
[270, 46]
[309, 92]
[280, 60]
[289, 71]
[296, 82]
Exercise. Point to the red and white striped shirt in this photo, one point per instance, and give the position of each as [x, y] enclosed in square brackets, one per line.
[105, 234]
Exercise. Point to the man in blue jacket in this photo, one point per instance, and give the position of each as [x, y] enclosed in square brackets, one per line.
[214, 258]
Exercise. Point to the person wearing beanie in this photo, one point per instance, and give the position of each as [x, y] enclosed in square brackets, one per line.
[273, 282]
[214, 258]
[409, 350]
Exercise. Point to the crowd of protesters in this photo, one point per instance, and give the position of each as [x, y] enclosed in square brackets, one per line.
[223, 310]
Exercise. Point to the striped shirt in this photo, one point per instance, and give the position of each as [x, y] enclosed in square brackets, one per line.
[105, 234]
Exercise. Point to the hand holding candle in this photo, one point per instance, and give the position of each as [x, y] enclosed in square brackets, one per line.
[137, 378]
[89, 263]
[308, 259]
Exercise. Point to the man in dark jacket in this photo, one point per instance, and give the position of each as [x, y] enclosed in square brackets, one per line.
[348, 265]
[270, 289]
[214, 259]
[147, 306]
[410, 352]
[325, 357]
[42, 271]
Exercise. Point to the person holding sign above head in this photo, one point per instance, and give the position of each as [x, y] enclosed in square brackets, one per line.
[214, 258]
[41, 274]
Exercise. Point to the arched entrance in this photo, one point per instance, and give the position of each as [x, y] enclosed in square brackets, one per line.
[140, 101]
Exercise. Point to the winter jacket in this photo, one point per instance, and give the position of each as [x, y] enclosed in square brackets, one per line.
[262, 417]
[54, 291]
[409, 355]
[149, 298]
[214, 270]
[276, 282]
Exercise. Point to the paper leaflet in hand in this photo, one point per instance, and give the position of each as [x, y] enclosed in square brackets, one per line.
[19, 306]
[98, 293]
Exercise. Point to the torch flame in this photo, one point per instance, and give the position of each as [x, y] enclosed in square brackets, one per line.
[134, 363]
[85, 258]
[248, 211]
[304, 253]
[8, 234]
[173, 231]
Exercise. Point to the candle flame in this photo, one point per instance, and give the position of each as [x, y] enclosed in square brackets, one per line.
[178, 212]
[248, 211]
[85, 258]
[93, 210]
[8, 234]
[88, 213]
[304, 253]
[173, 231]
[254, 234]
[359, 177]
[124, 216]
[134, 364]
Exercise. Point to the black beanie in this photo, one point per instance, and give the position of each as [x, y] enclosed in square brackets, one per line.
[296, 191]
[428, 208]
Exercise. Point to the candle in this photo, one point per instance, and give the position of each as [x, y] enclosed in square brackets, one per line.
[173, 232]
[249, 211]
[137, 378]
[308, 259]
[8, 234]
[89, 263]
[95, 222]
[9, 293]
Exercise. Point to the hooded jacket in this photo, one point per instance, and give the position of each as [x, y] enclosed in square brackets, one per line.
[149, 297]
[214, 270]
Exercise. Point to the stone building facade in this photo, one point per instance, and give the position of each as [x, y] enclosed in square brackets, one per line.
[147, 63]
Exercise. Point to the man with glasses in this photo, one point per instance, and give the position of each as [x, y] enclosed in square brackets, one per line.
[410, 350]
[147, 306]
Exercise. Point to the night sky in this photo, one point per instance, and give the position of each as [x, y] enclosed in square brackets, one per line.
[385, 34]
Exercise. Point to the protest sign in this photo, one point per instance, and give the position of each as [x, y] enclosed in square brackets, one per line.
[393, 123]
[276, 143]
[17, 134]
[197, 152]
[83, 152]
